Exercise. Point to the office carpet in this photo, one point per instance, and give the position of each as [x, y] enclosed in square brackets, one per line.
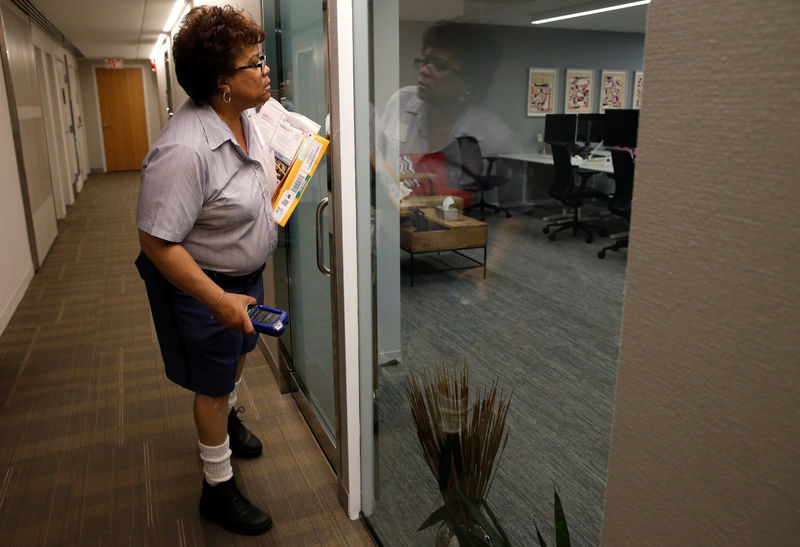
[545, 322]
[98, 447]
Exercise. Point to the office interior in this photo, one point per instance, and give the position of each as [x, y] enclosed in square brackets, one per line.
[616, 367]
[510, 326]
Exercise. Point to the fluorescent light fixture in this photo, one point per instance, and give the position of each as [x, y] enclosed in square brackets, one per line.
[159, 43]
[173, 15]
[590, 12]
[178, 9]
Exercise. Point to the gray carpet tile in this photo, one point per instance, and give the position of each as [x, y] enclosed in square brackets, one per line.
[545, 322]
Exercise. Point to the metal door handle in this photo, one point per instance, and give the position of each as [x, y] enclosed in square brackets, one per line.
[321, 237]
[106, 125]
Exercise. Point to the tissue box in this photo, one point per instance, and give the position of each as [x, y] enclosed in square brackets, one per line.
[450, 213]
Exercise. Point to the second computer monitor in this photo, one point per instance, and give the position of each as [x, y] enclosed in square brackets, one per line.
[590, 128]
[560, 128]
[620, 127]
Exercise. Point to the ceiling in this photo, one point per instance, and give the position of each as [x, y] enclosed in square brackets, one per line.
[521, 12]
[128, 29]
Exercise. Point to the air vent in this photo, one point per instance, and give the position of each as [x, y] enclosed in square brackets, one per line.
[48, 27]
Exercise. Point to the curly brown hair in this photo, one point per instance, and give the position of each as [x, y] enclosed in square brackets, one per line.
[206, 47]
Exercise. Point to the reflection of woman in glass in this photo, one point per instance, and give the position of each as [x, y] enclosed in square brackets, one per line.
[454, 74]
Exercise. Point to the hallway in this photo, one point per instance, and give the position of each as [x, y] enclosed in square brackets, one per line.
[98, 446]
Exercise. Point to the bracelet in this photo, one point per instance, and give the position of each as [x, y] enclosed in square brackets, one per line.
[217, 304]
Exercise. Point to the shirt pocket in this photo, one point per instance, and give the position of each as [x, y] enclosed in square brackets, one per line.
[238, 202]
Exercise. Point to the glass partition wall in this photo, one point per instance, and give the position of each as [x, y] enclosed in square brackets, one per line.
[448, 97]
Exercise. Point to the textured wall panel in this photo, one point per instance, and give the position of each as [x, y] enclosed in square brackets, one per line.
[705, 446]
[22, 71]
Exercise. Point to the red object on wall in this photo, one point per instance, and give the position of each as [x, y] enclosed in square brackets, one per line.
[153, 64]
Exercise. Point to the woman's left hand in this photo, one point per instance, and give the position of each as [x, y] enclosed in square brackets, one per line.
[232, 312]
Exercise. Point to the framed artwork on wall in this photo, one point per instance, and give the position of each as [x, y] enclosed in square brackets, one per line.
[541, 91]
[613, 89]
[579, 91]
[638, 82]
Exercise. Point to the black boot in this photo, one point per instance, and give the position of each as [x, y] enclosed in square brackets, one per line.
[226, 506]
[243, 443]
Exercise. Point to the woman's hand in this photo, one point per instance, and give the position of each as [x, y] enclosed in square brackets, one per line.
[232, 312]
[175, 263]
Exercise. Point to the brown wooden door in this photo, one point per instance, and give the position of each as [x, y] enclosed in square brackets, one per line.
[122, 115]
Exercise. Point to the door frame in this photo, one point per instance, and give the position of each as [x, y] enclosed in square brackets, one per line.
[348, 269]
[96, 98]
[57, 173]
[345, 454]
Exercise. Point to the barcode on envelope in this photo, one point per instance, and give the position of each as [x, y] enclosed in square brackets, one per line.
[298, 183]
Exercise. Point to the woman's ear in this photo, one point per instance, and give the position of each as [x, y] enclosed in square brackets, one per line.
[223, 85]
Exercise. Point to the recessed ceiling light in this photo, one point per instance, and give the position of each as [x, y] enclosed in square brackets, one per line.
[590, 12]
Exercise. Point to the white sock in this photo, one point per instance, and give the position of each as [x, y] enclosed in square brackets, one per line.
[233, 394]
[216, 462]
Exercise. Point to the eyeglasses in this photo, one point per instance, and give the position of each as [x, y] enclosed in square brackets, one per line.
[435, 63]
[262, 64]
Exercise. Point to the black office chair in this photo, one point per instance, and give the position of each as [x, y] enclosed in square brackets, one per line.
[620, 203]
[572, 195]
[473, 178]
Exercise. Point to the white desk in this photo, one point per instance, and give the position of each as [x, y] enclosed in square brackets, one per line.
[601, 165]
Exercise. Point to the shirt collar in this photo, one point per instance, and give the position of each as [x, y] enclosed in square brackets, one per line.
[414, 105]
[216, 131]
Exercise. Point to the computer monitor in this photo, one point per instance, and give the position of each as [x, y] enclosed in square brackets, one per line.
[560, 128]
[590, 128]
[620, 127]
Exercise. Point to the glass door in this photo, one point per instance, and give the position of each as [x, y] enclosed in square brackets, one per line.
[302, 258]
[441, 104]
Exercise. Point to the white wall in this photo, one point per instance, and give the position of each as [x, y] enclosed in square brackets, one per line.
[58, 163]
[705, 447]
[16, 266]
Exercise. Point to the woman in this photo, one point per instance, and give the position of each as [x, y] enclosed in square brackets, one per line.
[455, 71]
[206, 229]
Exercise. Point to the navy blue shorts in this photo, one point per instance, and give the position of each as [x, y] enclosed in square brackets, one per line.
[199, 353]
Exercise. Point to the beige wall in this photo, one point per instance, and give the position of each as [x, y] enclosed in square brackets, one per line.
[706, 443]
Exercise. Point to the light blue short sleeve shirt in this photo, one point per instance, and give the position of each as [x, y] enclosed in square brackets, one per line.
[200, 189]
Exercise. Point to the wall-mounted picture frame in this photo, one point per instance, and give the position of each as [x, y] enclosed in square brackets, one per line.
[638, 84]
[578, 91]
[613, 89]
[542, 85]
